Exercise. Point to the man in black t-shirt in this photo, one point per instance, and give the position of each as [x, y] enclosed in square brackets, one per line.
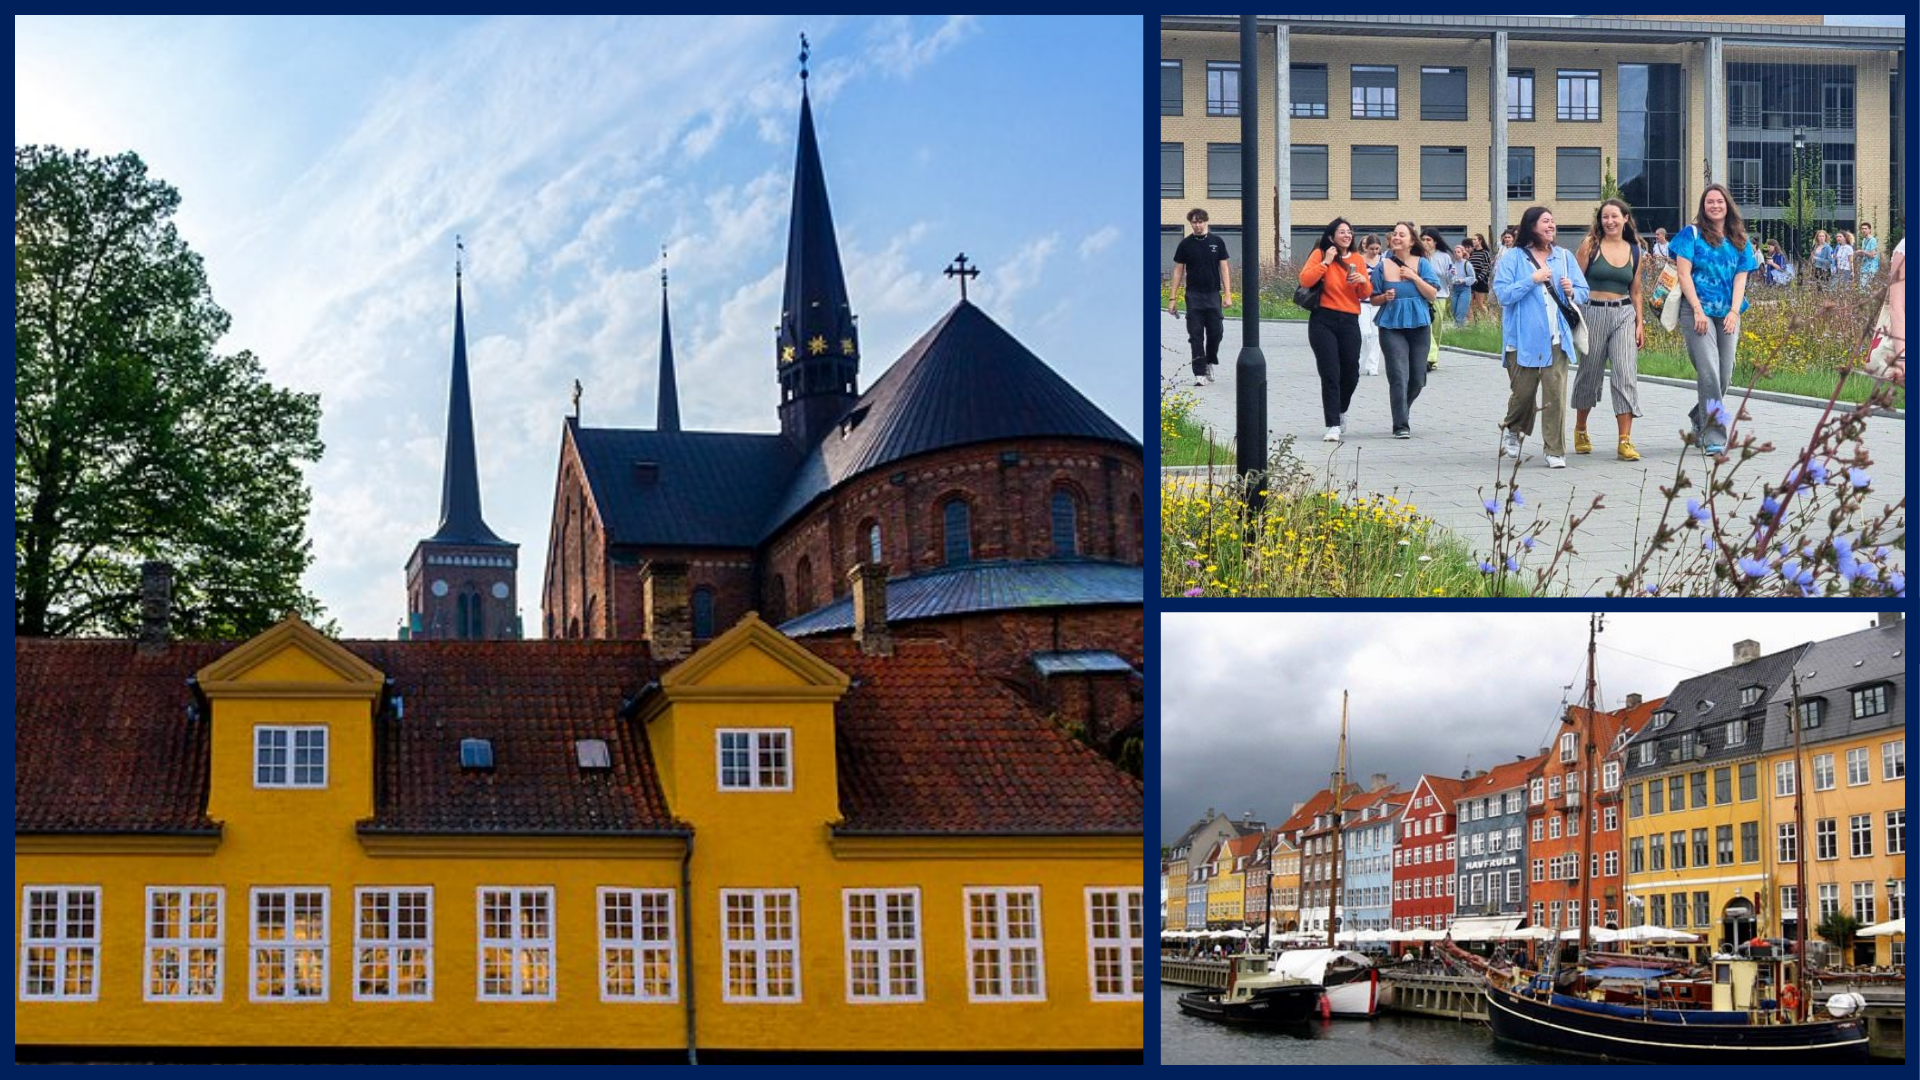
[1200, 262]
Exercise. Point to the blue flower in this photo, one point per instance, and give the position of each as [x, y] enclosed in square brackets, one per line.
[1818, 472]
[1513, 565]
[1859, 477]
[1527, 543]
[1809, 590]
[1897, 581]
[1707, 542]
[1192, 565]
[1790, 569]
[1848, 567]
[1755, 568]
[1843, 547]
[1518, 501]
[1492, 507]
[1653, 590]
[1768, 507]
[1698, 512]
[1805, 579]
[1719, 413]
[1880, 553]
[1196, 591]
[1486, 567]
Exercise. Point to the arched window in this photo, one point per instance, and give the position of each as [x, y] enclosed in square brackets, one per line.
[467, 624]
[1066, 524]
[702, 613]
[803, 586]
[957, 527]
[873, 542]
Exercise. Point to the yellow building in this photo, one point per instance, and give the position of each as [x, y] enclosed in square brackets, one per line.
[1851, 780]
[1393, 117]
[1695, 858]
[1227, 885]
[1286, 883]
[383, 848]
[1177, 874]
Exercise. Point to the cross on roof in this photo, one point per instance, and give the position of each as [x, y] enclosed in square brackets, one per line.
[961, 270]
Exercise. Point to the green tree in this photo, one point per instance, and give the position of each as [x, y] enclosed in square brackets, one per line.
[1609, 185]
[133, 439]
[1811, 204]
[1839, 929]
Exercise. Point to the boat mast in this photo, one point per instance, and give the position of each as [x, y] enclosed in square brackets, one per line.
[1339, 800]
[1799, 855]
[1594, 626]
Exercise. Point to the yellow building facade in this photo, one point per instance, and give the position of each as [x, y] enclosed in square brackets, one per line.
[744, 906]
[1226, 887]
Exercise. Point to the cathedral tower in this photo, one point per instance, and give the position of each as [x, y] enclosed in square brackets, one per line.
[461, 581]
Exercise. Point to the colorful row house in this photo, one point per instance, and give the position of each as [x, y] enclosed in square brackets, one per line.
[1491, 848]
[485, 847]
[1573, 835]
[1423, 879]
[1367, 845]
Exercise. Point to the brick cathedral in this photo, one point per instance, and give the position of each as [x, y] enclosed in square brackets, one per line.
[968, 493]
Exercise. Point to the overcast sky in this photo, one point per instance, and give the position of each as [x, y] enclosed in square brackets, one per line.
[1250, 703]
[326, 163]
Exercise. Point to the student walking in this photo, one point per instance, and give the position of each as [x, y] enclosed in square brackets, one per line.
[1714, 258]
[1442, 265]
[1610, 257]
[1463, 279]
[1822, 258]
[1200, 263]
[1869, 253]
[1842, 259]
[1535, 333]
[1369, 333]
[1333, 330]
[1482, 260]
[1404, 285]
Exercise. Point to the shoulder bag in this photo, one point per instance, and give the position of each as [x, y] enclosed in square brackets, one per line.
[1574, 321]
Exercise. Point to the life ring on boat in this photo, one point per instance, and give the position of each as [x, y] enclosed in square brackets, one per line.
[1790, 999]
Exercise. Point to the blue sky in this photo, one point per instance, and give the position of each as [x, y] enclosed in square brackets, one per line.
[325, 165]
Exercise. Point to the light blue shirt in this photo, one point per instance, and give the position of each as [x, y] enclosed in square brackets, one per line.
[1408, 309]
[1524, 329]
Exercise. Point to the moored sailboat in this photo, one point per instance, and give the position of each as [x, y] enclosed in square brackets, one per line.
[1256, 996]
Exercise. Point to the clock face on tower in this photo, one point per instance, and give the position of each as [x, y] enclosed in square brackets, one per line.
[440, 587]
[499, 590]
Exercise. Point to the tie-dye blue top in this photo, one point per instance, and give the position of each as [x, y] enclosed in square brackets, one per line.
[1714, 268]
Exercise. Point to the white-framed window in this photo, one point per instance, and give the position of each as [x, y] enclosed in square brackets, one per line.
[1539, 870]
[1857, 771]
[393, 943]
[1893, 760]
[1569, 747]
[1783, 779]
[1823, 772]
[288, 939]
[1863, 901]
[1539, 829]
[883, 945]
[1004, 957]
[60, 943]
[516, 943]
[1116, 947]
[755, 759]
[1612, 863]
[1897, 831]
[1611, 815]
[637, 945]
[760, 943]
[1610, 776]
[1860, 835]
[1787, 842]
[1829, 898]
[1871, 701]
[289, 756]
[184, 942]
[1826, 836]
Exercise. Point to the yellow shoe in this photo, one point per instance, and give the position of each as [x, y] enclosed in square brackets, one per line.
[1581, 444]
[1627, 452]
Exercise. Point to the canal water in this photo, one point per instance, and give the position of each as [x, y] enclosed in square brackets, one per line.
[1388, 1039]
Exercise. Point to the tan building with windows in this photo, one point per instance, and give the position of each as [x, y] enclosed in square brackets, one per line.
[1389, 118]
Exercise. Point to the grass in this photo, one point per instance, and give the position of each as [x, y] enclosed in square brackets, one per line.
[1272, 306]
[1483, 335]
[1184, 442]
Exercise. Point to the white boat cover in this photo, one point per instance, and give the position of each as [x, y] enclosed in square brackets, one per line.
[1311, 964]
[1486, 927]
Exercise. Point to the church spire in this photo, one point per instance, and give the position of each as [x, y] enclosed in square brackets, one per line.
[818, 341]
[460, 519]
[669, 414]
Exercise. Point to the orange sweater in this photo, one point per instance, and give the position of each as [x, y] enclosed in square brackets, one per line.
[1336, 294]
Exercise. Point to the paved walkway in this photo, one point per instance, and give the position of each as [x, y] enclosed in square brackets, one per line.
[1455, 442]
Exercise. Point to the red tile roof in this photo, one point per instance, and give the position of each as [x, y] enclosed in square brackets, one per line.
[1503, 777]
[927, 743]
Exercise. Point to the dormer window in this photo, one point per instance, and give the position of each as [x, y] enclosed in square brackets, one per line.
[1662, 719]
[755, 759]
[1736, 733]
[592, 754]
[1812, 711]
[289, 757]
[1870, 701]
[476, 754]
[1749, 695]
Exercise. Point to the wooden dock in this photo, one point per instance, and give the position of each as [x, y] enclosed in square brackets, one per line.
[1452, 997]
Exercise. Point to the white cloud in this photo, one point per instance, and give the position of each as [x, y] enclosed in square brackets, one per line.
[897, 51]
[1099, 241]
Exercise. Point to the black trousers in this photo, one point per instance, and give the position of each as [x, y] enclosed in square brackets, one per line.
[1204, 326]
[1334, 337]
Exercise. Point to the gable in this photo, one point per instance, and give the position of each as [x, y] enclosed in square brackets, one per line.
[291, 659]
[754, 659]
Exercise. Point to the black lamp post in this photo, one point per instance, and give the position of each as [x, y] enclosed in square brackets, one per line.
[1799, 199]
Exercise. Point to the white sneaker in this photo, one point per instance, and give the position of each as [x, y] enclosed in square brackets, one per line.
[1510, 444]
[1199, 380]
[1556, 462]
[1332, 435]
[1209, 378]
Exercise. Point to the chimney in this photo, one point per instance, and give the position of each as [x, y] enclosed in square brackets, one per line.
[156, 605]
[1745, 652]
[868, 582]
[1377, 781]
[1888, 618]
[663, 600]
[1634, 700]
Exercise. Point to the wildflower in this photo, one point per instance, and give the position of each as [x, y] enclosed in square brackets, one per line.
[1527, 543]
[1404, 543]
[1897, 581]
[1754, 568]
[1818, 472]
[1426, 558]
[1492, 507]
[1805, 579]
[1880, 553]
[1698, 512]
[1196, 591]
[1653, 590]
[1809, 590]
[1486, 567]
[1769, 507]
[1193, 564]
[1843, 547]
[1707, 542]
[1517, 500]
[1859, 477]
[1513, 565]
[1719, 413]
[1790, 569]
